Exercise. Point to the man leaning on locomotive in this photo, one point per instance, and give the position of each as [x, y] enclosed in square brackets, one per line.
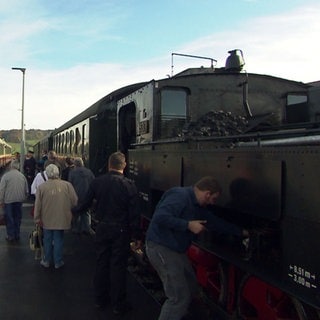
[179, 216]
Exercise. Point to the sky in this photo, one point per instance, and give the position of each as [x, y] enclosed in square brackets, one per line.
[77, 51]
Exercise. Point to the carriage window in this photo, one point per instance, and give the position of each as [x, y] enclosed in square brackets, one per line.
[127, 126]
[67, 143]
[173, 112]
[297, 108]
[78, 140]
[62, 143]
[71, 141]
[83, 140]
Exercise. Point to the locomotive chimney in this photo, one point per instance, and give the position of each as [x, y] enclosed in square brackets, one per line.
[235, 61]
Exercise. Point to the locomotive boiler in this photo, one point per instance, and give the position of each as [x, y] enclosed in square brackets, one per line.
[258, 135]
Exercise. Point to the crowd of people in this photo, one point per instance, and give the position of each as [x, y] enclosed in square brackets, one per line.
[66, 192]
[63, 193]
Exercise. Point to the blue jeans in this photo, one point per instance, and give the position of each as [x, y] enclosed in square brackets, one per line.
[13, 214]
[178, 279]
[53, 245]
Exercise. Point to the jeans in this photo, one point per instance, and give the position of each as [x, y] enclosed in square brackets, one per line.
[53, 245]
[178, 279]
[13, 214]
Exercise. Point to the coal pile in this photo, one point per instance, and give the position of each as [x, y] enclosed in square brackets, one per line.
[216, 123]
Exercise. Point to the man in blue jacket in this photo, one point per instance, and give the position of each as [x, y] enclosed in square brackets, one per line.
[179, 216]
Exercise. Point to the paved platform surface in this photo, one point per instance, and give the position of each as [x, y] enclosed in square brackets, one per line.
[30, 292]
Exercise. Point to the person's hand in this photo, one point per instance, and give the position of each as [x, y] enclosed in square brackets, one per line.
[38, 223]
[245, 233]
[137, 244]
[197, 226]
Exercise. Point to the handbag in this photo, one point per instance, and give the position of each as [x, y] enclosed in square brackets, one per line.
[35, 238]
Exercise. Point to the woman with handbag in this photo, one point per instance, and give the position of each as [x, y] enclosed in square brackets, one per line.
[54, 200]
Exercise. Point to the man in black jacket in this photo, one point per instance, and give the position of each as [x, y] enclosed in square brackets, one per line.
[116, 210]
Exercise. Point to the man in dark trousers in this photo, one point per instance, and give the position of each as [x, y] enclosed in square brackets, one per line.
[116, 210]
[179, 216]
[29, 169]
[80, 177]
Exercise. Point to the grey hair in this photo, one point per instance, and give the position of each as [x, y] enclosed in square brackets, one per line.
[52, 171]
[78, 162]
[15, 164]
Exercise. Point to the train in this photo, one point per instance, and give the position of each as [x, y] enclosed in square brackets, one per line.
[259, 136]
[5, 154]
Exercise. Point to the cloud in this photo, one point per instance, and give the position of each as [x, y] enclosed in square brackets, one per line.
[281, 45]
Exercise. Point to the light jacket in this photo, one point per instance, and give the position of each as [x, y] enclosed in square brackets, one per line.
[13, 187]
[54, 200]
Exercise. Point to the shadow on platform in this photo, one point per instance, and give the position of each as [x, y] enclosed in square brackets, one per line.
[30, 292]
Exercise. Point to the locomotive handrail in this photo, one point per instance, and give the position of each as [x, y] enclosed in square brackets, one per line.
[306, 136]
[190, 56]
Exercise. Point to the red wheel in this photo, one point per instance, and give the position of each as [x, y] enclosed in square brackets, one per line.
[259, 301]
[210, 273]
[217, 285]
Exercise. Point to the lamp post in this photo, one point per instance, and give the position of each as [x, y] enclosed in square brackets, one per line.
[23, 147]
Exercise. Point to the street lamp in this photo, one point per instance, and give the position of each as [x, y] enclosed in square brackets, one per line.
[23, 147]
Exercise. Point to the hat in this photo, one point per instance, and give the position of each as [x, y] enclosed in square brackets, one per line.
[30, 151]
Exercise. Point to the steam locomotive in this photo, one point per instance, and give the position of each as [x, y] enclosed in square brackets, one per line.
[259, 136]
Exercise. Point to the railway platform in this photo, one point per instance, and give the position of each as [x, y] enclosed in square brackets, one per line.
[30, 292]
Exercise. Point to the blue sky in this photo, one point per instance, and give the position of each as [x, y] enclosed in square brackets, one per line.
[77, 51]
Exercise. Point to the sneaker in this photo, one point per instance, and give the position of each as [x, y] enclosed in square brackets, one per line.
[59, 265]
[45, 264]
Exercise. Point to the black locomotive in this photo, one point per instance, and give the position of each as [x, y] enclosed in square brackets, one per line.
[259, 136]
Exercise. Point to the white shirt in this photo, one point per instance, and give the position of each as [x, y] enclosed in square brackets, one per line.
[38, 179]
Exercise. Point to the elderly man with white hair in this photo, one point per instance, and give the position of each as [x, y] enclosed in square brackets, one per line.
[13, 191]
[54, 200]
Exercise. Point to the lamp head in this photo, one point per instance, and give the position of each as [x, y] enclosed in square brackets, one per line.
[21, 69]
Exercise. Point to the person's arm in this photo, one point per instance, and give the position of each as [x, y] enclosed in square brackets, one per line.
[197, 226]
[221, 226]
[2, 189]
[87, 201]
[134, 213]
[170, 211]
[73, 195]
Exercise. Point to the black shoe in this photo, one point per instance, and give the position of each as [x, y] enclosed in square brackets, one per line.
[122, 308]
[10, 240]
[100, 306]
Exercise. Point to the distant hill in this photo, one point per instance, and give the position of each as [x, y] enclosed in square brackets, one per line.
[14, 135]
